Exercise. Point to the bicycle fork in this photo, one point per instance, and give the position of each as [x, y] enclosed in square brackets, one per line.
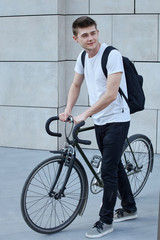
[69, 161]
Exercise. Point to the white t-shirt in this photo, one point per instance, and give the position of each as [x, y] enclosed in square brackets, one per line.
[118, 110]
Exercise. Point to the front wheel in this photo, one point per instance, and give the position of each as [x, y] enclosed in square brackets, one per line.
[45, 210]
[137, 159]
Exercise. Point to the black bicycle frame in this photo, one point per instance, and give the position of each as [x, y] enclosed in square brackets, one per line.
[89, 164]
[70, 165]
[86, 159]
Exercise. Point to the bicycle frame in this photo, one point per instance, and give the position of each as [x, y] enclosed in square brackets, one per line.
[86, 159]
[89, 164]
[75, 144]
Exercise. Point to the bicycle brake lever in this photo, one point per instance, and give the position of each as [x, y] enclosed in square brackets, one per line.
[70, 119]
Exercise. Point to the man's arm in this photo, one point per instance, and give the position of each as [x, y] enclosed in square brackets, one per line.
[113, 83]
[72, 96]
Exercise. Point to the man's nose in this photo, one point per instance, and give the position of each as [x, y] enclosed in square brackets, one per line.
[90, 37]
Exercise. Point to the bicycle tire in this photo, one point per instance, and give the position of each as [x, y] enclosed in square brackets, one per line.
[143, 152]
[46, 214]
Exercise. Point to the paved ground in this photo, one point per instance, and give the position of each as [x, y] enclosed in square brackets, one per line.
[16, 164]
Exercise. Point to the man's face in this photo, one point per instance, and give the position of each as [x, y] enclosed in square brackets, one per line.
[87, 37]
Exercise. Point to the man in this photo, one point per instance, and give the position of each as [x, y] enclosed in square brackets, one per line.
[111, 118]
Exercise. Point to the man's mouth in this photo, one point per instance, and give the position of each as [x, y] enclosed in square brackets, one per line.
[91, 43]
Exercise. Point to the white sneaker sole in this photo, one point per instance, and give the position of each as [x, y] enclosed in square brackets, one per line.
[125, 218]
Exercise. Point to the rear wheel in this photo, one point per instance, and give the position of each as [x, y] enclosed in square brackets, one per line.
[45, 211]
[137, 159]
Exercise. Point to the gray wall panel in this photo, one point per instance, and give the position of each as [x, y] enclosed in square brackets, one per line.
[136, 36]
[29, 84]
[29, 38]
[110, 6]
[25, 128]
[28, 7]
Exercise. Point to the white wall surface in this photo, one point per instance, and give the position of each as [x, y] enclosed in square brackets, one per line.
[38, 54]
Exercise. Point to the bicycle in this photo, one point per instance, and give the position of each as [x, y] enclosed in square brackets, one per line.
[56, 190]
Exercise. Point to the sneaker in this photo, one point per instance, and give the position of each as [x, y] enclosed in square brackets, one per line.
[99, 230]
[121, 215]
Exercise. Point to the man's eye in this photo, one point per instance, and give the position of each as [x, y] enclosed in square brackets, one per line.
[93, 33]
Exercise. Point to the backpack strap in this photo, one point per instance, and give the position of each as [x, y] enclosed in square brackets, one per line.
[122, 94]
[83, 57]
[105, 59]
[104, 67]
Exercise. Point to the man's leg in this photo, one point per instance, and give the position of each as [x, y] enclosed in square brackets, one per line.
[110, 139]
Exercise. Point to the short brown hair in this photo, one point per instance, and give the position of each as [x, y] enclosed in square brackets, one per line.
[82, 22]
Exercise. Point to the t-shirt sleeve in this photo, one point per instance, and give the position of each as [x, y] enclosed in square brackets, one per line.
[79, 67]
[114, 63]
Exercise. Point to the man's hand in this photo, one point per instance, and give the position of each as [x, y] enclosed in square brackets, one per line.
[63, 116]
[79, 118]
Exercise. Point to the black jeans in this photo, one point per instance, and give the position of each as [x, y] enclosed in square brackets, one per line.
[110, 139]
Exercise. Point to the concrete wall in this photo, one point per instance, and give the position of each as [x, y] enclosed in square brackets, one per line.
[37, 57]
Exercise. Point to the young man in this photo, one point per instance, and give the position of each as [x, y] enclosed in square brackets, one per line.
[111, 118]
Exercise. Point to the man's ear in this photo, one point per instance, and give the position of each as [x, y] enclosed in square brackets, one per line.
[75, 38]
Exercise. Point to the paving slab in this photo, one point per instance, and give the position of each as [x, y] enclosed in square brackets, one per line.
[16, 164]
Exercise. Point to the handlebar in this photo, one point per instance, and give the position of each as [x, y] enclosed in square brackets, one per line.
[75, 133]
[47, 127]
[75, 130]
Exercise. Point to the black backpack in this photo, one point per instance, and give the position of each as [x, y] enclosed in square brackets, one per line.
[136, 98]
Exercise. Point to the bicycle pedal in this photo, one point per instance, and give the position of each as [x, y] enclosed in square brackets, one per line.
[96, 161]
